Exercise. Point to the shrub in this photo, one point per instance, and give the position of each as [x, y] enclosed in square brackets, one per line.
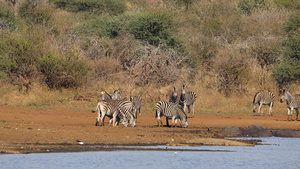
[66, 70]
[37, 14]
[19, 55]
[112, 7]
[293, 22]
[247, 6]
[266, 51]
[289, 70]
[232, 73]
[290, 4]
[155, 28]
[7, 18]
[105, 26]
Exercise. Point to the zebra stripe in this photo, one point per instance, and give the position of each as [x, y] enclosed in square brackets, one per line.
[187, 99]
[292, 102]
[170, 110]
[173, 97]
[114, 109]
[137, 105]
[266, 98]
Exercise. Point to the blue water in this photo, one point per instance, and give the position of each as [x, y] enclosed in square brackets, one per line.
[281, 153]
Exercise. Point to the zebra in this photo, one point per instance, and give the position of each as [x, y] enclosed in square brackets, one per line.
[187, 99]
[292, 102]
[116, 108]
[105, 97]
[111, 105]
[170, 110]
[266, 98]
[137, 104]
[173, 97]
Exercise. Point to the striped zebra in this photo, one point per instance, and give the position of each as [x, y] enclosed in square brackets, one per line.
[173, 97]
[105, 97]
[292, 102]
[170, 110]
[137, 105]
[187, 99]
[266, 98]
[115, 108]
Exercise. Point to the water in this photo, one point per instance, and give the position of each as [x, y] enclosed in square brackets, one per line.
[274, 153]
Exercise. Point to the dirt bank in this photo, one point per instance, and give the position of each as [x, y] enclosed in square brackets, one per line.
[53, 129]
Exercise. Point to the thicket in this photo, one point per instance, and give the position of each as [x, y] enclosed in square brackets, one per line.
[7, 19]
[225, 46]
[112, 7]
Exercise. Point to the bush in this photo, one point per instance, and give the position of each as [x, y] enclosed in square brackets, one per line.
[293, 22]
[112, 7]
[232, 73]
[155, 28]
[7, 18]
[289, 69]
[290, 4]
[67, 70]
[247, 6]
[37, 14]
[266, 51]
[100, 27]
[19, 55]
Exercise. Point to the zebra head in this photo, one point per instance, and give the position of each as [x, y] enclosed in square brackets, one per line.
[174, 93]
[116, 95]
[286, 96]
[184, 123]
[124, 122]
[132, 122]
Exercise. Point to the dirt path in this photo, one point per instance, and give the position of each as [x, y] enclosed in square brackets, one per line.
[51, 129]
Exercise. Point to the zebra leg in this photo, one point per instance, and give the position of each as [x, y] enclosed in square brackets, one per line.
[270, 110]
[297, 113]
[259, 109]
[193, 109]
[292, 111]
[167, 121]
[189, 110]
[114, 119]
[289, 112]
[173, 121]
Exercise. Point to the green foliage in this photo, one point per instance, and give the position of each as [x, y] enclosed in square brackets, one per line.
[18, 54]
[34, 13]
[67, 70]
[293, 22]
[112, 7]
[7, 18]
[100, 27]
[248, 6]
[155, 28]
[289, 69]
[290, 4]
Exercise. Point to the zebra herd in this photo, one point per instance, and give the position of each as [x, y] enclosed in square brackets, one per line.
[267, 98]
[125, 110]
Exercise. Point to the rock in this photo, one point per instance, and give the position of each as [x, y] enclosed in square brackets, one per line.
[286, 133]
[257, 131]
[232, 131]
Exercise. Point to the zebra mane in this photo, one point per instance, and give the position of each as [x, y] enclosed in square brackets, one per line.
[254, 99]
[105, 95]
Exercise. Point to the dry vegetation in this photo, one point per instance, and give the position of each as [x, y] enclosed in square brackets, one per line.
[221, 53]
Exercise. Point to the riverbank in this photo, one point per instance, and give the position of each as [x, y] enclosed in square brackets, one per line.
[72, 128]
